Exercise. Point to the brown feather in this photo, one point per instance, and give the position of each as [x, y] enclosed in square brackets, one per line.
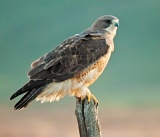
[70, 58]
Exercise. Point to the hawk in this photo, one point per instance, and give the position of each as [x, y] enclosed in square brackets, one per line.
[71, 67]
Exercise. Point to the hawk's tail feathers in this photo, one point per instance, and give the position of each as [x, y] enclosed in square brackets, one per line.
[28, 97]
[30, 86]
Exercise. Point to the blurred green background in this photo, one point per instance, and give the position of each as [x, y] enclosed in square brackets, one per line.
[30, 28]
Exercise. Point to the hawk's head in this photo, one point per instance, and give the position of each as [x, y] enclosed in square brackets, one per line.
[106, 23]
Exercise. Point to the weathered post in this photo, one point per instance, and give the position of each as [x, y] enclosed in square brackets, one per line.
[87, 118]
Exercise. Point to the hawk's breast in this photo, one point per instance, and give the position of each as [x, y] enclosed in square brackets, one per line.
[92, 72]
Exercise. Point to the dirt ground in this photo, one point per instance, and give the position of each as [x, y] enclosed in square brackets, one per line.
[62, 123]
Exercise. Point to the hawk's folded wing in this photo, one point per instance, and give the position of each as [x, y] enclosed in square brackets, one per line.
[69, 58]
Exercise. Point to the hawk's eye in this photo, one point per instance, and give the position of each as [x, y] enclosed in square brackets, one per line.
[108, 21]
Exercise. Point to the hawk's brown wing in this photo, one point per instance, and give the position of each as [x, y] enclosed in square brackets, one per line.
[71, 57]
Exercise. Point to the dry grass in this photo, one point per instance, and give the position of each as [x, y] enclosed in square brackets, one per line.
[62, 123]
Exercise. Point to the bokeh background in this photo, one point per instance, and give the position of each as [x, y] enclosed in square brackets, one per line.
[129, 89]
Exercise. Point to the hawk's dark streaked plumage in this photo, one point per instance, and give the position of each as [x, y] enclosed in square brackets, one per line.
[71, 67]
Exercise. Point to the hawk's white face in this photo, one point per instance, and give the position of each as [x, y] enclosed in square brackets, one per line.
[107, 23]
[113, 26]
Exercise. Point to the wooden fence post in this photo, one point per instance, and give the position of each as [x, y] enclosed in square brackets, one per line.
[87, 118]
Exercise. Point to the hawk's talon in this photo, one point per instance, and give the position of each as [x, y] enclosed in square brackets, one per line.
[89, 96]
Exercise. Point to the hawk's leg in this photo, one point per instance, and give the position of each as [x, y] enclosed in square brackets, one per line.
[89, 96]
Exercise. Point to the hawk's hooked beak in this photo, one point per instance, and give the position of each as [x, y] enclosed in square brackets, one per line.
[117, 24]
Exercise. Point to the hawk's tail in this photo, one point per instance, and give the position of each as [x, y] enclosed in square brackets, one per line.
[27, 98]
[32, 89]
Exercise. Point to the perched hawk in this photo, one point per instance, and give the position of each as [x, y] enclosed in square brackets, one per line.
[71, 67]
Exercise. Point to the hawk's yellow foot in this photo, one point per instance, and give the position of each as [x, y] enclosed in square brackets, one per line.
[89, 96]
